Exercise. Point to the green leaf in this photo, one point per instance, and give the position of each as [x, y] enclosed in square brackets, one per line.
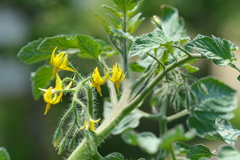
[220, 51]
[225, 132]
[29, 54]
[41, 79]
[198, 151]
[130, 121]
[89, 48]
[62, 42]
[126, 5]
[148, 142]
[148, 42]
[220, 101]
[130, 137]
[176, 134]
[114, 11]
[4, 154]
[181, 147]
[134, 66]
[171, 24]
[190, 68]
[228, 153]
[113, 156]
[123, 34]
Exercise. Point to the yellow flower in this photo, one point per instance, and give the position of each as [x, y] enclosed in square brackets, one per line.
[97, 80]
[89, 124]
[59, 62]
[117, 75]
[50, 97]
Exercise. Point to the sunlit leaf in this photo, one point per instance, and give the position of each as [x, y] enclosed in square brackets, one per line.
[225, 132]
[228, 153]
[190, 68]
[148, 42]
[61, 42]
[41, 79]
[219, 50]
[123, 34]
[198, 151]
[148, 142]
[130, 137]
[220, 101]
[171, 24]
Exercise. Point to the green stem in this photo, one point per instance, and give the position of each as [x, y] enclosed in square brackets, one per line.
[77, 73]
[163, 118]
[125, 54]
[178, 115]
[172, 153]
[119, 112]
[90, 101]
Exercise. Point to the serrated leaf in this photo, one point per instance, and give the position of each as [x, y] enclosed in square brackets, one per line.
[41, 79]
[219, 50]
[130, 121]
[171, 24]
[61, 42]
[228, 153]
[89, 48]
[130, 137]
[176, 134]
[123, 34]
[29, 54]
[225, 132]
[4, 154]
[220, 101]
[198, 151]
[148, 42]
[113, 156]
[148, 142]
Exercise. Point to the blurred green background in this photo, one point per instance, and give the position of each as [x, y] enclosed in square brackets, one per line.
[24, 131]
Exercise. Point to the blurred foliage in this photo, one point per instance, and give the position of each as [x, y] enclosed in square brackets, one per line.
[24, 131]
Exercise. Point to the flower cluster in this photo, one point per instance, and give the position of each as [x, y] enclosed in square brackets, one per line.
[54, 95]
[116, 75]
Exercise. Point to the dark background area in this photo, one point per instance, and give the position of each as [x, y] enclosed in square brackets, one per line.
[24, 131]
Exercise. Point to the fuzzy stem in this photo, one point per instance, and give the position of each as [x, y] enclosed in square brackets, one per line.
[118, 113]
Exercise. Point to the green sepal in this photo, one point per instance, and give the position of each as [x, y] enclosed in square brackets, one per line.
[199, 151]
[41, 79]
[61, 146]
[4, 155]
[30, 53]
[57, 137]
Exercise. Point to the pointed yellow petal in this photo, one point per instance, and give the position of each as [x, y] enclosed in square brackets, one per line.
[53, 55]
[68, 69]
[99, 90]
[47, 108]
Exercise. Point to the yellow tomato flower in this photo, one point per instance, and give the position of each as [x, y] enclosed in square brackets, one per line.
[97, 80]
[89, 125]
[59, 62]
[117, 75]
[50, 97]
